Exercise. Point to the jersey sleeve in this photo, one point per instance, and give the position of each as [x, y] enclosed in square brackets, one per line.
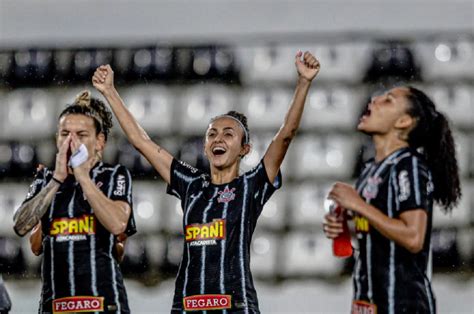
[42, 178]
[122, 191]
[412, 185]
[262, 188]
[181, 176]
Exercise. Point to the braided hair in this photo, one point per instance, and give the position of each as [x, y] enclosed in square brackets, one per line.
[92, 107]
[433, 135]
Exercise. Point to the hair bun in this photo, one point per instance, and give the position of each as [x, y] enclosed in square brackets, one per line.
[83, 98]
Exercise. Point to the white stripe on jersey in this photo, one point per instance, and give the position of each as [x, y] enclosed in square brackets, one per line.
[357, 277]
[53, 288]
[416, 181]
[186, 271]
[92, 245]
[391, 270]
[112, 266]
[111, 183]
[368, 243]
[223, 243]
[112, 243]
[203, 248]
[129, 192]
[70, 256]
[242, 244]
[429, 295]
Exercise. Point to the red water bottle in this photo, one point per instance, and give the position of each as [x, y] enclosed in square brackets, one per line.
[341, 246]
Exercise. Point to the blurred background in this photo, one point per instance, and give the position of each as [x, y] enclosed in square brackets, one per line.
[178, 63]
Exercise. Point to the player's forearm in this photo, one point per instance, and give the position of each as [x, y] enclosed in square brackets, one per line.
[30, 213]
[111, 214]
[409, 237]
[132, 129]
[293, 116]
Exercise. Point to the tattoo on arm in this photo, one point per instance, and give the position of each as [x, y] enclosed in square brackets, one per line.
[30, 213]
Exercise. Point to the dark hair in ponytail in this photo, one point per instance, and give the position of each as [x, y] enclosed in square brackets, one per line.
[433, 134]
[92, 107]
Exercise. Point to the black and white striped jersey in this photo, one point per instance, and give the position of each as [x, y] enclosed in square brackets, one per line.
[386, 274]
[80, 270]
[218, 223]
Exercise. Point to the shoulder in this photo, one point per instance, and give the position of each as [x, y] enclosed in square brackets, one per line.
[412, 161]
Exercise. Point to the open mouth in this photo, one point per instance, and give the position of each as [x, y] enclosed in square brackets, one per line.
[218, 151]
[366, 112]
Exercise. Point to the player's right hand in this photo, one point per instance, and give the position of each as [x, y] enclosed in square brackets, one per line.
[332, 226]
[61, 169]
[103, 78]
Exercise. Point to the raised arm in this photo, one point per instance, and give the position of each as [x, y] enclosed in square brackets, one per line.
[103, 81]
[29, 214]
[307, 69]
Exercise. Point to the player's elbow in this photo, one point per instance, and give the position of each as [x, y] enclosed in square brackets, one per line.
[415, 245]
[118, 228]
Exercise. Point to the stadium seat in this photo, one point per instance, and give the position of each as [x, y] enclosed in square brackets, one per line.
[274, 212]
[267, 63]
[148, 206]
[307, 201]
[11, 197]
[342, 61]
[446, 59]
[152, 106]
[461, 216]
[455, 101]
[264, 250]
[309, 254]
[198, 104]
[156, 250]
[34, 110]
[332, 108]
[266, 108]
[329, 156]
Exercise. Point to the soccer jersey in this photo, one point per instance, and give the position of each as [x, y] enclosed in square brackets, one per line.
[218, 223]
[387, 276]
[80, 271]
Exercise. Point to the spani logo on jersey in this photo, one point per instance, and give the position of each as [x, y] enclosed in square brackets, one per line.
[361, 224]
[75, 229]
[205, 234]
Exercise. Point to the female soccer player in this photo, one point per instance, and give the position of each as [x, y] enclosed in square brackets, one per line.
[414, 166]
[81, 206]
[220, 208]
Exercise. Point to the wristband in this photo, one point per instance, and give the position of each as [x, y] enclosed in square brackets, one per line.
[57, 181]
[79, 157]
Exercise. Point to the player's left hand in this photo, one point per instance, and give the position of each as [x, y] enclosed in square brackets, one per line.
[346, 196]
[307, 65]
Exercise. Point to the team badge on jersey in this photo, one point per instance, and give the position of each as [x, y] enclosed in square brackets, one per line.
[80, 304]
[205, 234]
[372, 188]
[226, 196]
[207, 302]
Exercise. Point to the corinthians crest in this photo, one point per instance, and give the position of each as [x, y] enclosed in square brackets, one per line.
[226, 196]
[372, 188]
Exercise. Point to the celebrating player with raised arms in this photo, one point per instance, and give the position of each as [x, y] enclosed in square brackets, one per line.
[82, 209]
[220, 208]
[392, 203]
